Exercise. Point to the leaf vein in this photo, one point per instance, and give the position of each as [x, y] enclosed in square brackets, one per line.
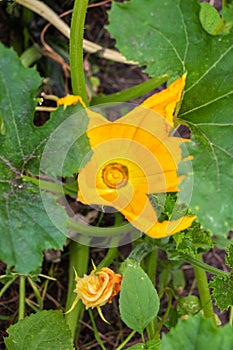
[210, 68]
[211, 145]
[207, 103]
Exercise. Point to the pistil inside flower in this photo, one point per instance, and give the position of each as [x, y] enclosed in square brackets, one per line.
[115, 175]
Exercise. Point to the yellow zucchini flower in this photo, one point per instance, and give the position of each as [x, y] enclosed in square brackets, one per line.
[133, 157]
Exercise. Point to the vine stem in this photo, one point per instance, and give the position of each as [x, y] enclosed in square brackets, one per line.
[79, 257]
[200, 264]
[131, 93]
[96, 333]
[150, 269]
[204, 292]
[121, 346]
[21, 297]
[76, 49]
[95, 231]
[7, 285]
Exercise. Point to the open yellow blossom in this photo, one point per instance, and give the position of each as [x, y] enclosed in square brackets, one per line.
[133, 157]
[97, 289]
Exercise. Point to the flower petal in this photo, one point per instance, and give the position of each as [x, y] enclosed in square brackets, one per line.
[141, 214]
[167, 228]
[165, 102]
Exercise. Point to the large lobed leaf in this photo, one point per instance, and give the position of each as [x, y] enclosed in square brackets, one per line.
[167, 37]
[25, 227]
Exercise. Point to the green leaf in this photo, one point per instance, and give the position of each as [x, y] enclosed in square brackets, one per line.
[26, 229]
[167, 37]
[198, 333]
[210, 19]
[223, 286]
[45, 330]
[139, 302]
[222, 291]
[196, 240]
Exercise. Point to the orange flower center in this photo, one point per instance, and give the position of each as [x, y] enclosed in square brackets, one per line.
[115, 175]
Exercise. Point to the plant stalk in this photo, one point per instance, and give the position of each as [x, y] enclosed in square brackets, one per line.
[30, 56]
[200, 264]
[131, 93]
[95, 231]
[121, 346]
[204, 293]
[79, 257]
[76, 49]
[96, 333]
[21, 297]
[7, 285]
[150, 269]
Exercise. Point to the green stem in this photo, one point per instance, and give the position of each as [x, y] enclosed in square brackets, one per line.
[76, 49]
[224, 4]
[36, 292]
[113, 251]
[30, 56]
[151, 264]
[79, 257]
[21, 297]
[150, 269]
[200, 264]
[231, 316]
[60, 189]
[168, 308]
[131, 93]
[204, 293]
[95, 231]
[141, 251]
[7, 285]
[31, 305]
[96, 333]
[109, 257]
[126, 340]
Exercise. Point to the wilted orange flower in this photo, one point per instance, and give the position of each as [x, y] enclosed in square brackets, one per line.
[132, 157]
[98, 288]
